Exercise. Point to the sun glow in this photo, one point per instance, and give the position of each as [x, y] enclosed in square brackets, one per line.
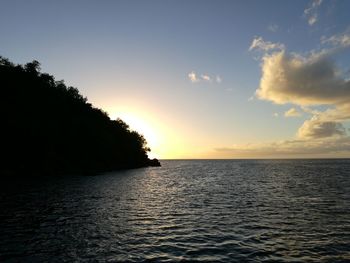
[143, 125]
[167, 138]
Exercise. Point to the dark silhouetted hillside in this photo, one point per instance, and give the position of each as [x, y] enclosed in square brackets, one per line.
[49, 128]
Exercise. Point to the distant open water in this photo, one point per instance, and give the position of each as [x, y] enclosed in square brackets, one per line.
[207, 211]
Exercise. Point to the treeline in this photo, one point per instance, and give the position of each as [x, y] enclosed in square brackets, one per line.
[50, 128]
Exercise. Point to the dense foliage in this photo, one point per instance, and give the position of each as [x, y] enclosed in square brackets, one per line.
[47, 127]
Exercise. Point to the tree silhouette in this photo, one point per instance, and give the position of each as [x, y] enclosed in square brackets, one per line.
[50, 128]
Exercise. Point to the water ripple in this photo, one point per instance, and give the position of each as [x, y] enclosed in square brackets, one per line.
[188, 211]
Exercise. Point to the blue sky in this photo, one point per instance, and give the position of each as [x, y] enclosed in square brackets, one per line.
[133, 59]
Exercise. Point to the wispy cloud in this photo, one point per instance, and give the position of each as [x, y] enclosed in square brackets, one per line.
[338, 40]
[311, 13]
[259, 43]
[194, 77]
[273, 27]
[206, 77]
[293, 112]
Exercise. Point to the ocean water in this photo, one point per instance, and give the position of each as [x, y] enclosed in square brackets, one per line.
[200, 210]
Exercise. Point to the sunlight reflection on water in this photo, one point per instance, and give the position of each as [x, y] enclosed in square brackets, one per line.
[186, 210]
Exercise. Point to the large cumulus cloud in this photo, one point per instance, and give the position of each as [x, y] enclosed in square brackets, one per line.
[291, 78]
[308, 80]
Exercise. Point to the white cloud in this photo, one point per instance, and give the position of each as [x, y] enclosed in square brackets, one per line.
[206, 77]
[312, 19]
[193, 77]
[292, 78]
[326, 123]
[292, 112]
[275, 115]
[311, 13]
[259, 43]
[251, 98]
[273, 27]
[310, 110]
[338, 40]
[307, 80]
[315, 128]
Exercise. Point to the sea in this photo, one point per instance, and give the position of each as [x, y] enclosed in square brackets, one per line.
[184, 211]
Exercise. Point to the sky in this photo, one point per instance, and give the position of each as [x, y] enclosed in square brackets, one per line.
[200, 79]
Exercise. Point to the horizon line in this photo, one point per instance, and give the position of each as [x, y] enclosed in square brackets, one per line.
[238, 159]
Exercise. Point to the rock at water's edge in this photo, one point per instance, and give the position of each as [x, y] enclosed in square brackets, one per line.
[154, 162]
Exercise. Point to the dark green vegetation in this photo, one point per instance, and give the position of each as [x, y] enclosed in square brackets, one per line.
[49, 128]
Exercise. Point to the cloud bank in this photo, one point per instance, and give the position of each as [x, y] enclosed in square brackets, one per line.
[327, 147]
